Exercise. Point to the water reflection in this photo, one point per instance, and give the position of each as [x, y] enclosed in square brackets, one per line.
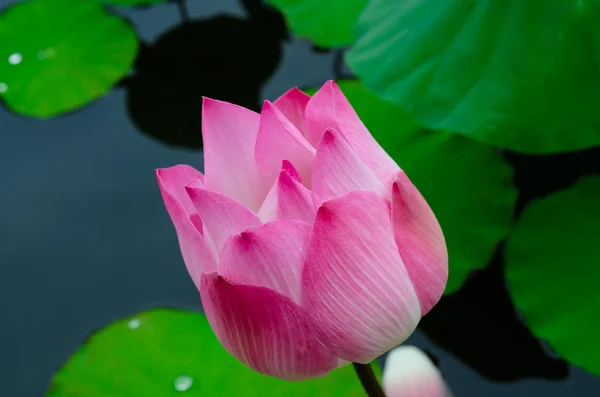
[45, 54]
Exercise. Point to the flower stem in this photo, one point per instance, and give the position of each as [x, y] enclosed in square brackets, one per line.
[368, 380]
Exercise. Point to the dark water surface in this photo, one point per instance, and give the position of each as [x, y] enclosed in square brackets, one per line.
[85, 239]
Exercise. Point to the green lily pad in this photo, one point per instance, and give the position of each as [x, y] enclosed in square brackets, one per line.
[128, 3]
[58, 55]
[467, 184]
[553, 271]
[164, 352]
[523, 75]
[328, 23]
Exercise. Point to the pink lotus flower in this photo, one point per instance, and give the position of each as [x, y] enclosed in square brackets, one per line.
[308, 244]
[408, 372]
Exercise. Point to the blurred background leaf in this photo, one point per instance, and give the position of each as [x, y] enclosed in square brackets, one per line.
[553, 271]
[164, 352]
[328, 23]
[164, 95]
[58, 55]
[523, 75]
[467, 184]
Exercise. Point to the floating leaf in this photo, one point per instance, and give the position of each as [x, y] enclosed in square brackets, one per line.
[162, 352]
[523, 75]
[553, 271]
[467, 184]
[58, 55]
[328, 23]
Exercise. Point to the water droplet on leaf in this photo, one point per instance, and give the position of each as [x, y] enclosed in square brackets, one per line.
[134, 323]
[183, 383]
[15, 59]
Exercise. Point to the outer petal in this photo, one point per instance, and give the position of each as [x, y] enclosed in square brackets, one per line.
[420, 242]
[354, 286]
[338, 170]
[172, 180]
[221, 216]
[197, 256]
[329, 108]
[264, 329]
[229, 132]
[270, 256]
[279, 139]
[408, 372]
[292, 105]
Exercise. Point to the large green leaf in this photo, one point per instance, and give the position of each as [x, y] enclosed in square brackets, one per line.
[58, 55]
[524, 75]
[467, 184]
[162, 353]
[553, 271]
[328, 23]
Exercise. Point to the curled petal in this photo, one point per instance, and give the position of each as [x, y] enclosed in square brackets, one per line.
[264, 329]
[279, 139]
[338, 170]
[269, 256]
[294, 200]
[288, 198]
[355, 287]
[196, 254]
[229, 133]
[329, 108]
[221, 216]
[289, 169]
[408, 372]
[292, 105]
[420, 242]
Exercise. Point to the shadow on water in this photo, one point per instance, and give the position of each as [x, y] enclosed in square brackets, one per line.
[479, 325]
[224, 57]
